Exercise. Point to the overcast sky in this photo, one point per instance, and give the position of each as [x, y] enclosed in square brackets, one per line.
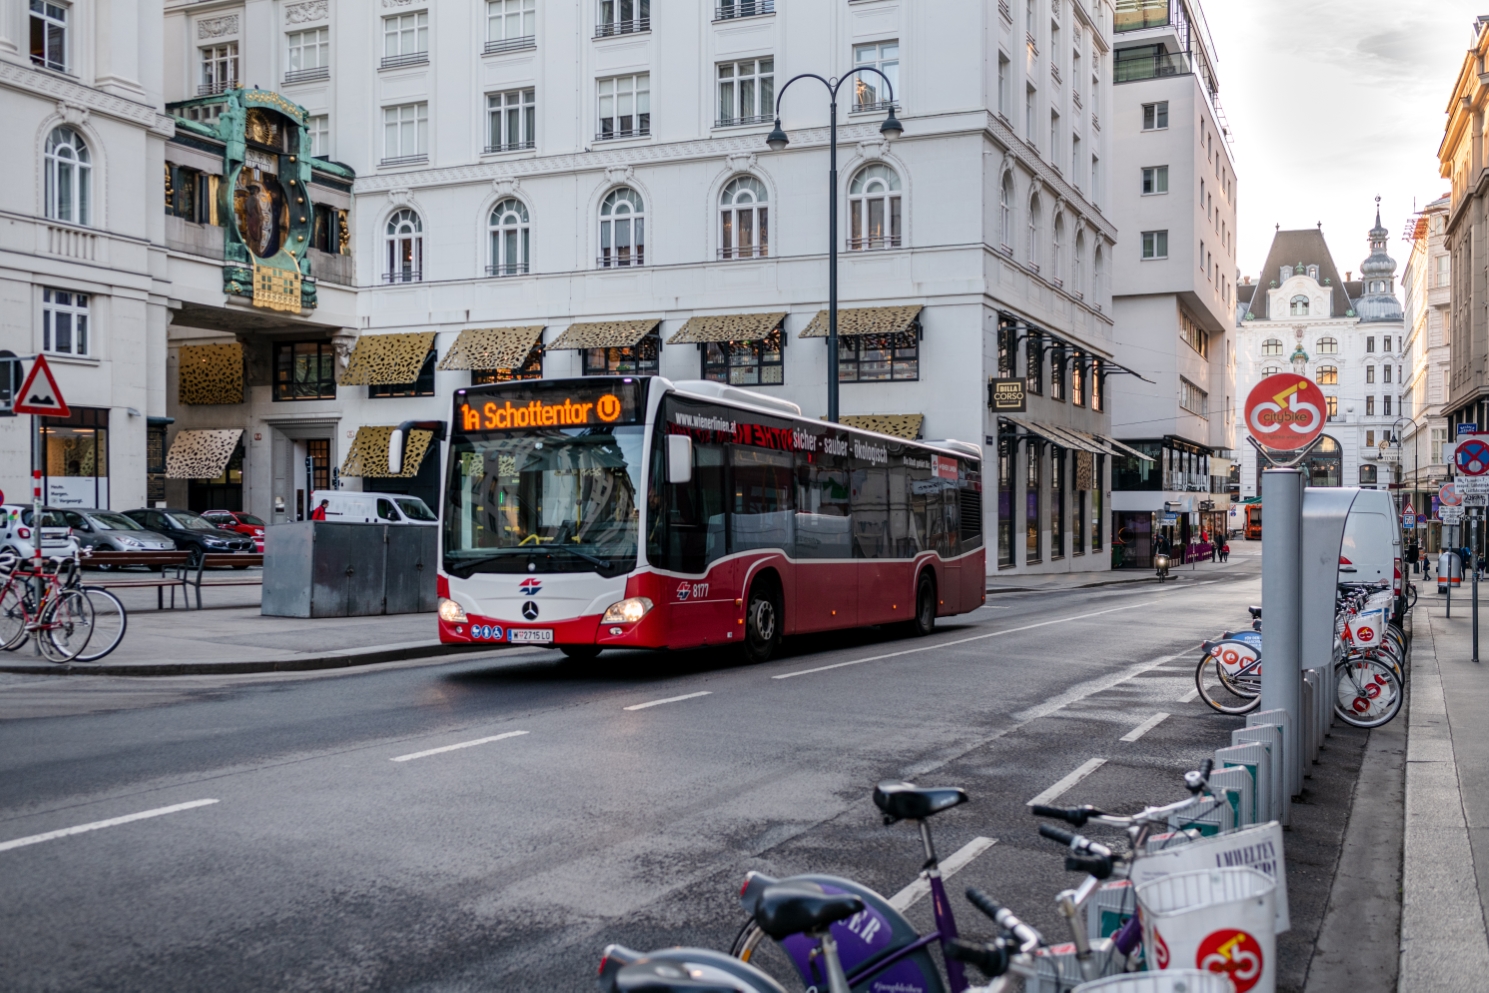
[1332, 103]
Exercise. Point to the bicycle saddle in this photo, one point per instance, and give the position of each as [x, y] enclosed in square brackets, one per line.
[908, 802]
[662, 976]
[1255, 612]
[791, 908]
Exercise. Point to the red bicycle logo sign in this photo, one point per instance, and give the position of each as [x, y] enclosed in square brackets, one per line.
[1285, 412]
[1235, 953]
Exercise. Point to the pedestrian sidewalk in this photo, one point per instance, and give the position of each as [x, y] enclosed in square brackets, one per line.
[1445, 866]
[1240, 557]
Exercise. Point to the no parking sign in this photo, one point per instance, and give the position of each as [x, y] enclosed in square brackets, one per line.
[1471, 455]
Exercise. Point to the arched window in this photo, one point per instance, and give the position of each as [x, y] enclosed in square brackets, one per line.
[1033, 247]
[405, 248]
[1328, 375]
[1098, 273]
[1298, 307]
[69, 177]
[1057, 247]
[874, 207]
[1270, 370]
[1272, 346]
[509, 238]
[622, 229]
[1079, 269]
[744, 220]
[1005, 206]
[1327, 346]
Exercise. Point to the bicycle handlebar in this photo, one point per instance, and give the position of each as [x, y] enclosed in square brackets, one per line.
[1076, 842]
[1077, 816]
[1099, 866]
[1028, 938]
[991, 959]
[1195, 780]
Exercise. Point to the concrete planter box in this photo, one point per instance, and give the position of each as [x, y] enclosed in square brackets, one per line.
[322, 569]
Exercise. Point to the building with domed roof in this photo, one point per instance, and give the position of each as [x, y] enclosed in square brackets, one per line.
[1345, 334]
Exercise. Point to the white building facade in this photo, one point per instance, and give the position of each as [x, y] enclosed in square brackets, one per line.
[1344, 334]
[82, 272]
[580, 187]
[1426, 284]
[1174, 273]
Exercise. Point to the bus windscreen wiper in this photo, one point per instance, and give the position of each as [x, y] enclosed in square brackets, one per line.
[464, 569]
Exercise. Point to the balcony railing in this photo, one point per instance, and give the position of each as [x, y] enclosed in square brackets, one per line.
[1151, 67]
[727, 11]
[745, 252]
[216, 86]
[734, 122]
[643, 131]
[404, 276]
[510, 45]
[307, 75]
[1134, 15]
[633, 26]
[411, 59]
[507, 269]
[403, 160]
[869, 244]
[866, 106]
[621, 258]
[511, 146]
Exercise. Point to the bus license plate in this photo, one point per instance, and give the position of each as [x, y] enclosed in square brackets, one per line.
[520, 635]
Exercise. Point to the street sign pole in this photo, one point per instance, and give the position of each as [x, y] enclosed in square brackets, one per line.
[1282, 594]
[1473, 558]
[36, 466]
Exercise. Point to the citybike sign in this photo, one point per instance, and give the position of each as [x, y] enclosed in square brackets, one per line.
[1285, 412]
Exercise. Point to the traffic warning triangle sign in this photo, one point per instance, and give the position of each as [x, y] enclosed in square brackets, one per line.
[40, 395]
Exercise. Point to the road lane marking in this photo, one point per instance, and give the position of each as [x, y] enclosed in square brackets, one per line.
[1144, 727]
[1191, 695]
[963, 641]
[958, 860]
[670, 699]
[451, 748]
[1064, 786]
[36, 839]
[1090, 687]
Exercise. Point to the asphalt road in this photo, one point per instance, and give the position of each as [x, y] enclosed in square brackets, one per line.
[347, 846]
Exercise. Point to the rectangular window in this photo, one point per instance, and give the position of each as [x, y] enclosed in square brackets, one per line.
[1385, 346]
[325, 233]
[49, 35]
[219, 68]
[1031, 503]
[624, 107]
[1441, 262]
[304, 370]
[1155, 180]
[1439, 441]
[1370, 343]
[746, 92]
[1096, 519]
[623, 17]
[405, 39]
[1057, 502]
[1155, 244]
[1034, 364]
[1369, 439]
[1386, 406]
[727, 10]
[309, 55]
[1193, 399]
[1370, 374]
[531, 368]
[864, 358]
[1193, 335]
[405, 133]
[1370, 406]
[1078, 381]
[638, 361]
[511, 25]
[1054, 151]
[1007, 446]
[64, 322]
[1005, 98]
[75, 458]
[1095, 180]
[745, 363]
[1031, 133]
[1058, 359]
[320, 136]
[1155, 116]
[423, 386]
[511, 120]
[1332, 404]
[869, 89]
[1075, 160]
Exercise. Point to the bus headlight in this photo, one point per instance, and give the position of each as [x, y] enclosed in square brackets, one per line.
[451, 612]
[628, 611]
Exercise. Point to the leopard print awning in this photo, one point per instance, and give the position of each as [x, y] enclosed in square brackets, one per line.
[491, 348]
[604, 334]
[210, 374]
[728, 327]
[368, 455]
[201, 454]
[905, 426]
[387, 359]
[866, 320]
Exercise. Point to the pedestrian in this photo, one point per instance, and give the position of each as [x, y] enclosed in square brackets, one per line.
[319, 513]
[1224, 549]
[1413, 556]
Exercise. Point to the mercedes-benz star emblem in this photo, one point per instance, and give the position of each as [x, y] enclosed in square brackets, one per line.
[530, 610]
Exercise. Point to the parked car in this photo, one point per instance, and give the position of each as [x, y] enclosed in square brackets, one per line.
[17, 535]
[236, 520]
[1371, 552]
[350, 507]
[190, 531]
[111, 531]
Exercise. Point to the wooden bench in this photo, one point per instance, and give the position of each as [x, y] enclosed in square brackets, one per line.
[187, 571]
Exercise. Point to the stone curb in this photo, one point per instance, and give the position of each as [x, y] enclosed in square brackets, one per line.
[297, 663]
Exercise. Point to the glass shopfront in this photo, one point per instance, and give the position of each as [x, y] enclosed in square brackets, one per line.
[75, 463]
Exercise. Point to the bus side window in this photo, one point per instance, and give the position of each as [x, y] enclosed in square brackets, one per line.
[869, 498]
[694, 513]
[762, 513]
[823, 515]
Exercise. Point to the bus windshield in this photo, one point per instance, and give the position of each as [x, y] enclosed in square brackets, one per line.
[544, 500]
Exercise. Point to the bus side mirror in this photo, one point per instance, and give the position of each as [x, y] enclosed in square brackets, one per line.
[679, 458]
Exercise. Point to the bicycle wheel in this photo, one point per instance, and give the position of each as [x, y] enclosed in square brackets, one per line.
[752, 945]
[12, 618]
[1227, 679]
[109, 622]
[1367, 692]
[66, 626]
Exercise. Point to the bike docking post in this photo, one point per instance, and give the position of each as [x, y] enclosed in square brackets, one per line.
[1325, 510]
[1282, 581]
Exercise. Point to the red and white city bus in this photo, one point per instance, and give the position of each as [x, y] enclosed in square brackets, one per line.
[634, 512]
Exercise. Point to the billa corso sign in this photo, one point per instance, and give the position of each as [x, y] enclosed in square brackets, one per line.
[1006, 396]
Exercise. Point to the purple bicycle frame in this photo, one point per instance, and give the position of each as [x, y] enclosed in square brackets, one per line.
[945, 932]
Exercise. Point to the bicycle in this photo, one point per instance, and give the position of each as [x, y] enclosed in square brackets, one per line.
[878, 943]
[110, 619]
[61, 620]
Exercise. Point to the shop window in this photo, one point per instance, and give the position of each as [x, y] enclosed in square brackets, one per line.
[304, 370]
[864, 358]
[639, 360]
[423, 386]
[746, 363]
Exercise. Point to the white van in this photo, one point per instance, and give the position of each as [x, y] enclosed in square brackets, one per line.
[350, 507]
[1372, 547]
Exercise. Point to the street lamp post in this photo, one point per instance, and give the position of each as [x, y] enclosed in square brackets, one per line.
[777, 140]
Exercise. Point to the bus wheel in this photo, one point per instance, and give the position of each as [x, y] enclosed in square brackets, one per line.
[580, 653]
[925, 606]
[762, 622]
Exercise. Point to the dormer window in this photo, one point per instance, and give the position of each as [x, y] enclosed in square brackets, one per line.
[1287, 272]
[1298, 306]
[1313, 273]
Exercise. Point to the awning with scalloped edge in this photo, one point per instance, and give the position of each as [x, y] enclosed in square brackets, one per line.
[368, 455]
